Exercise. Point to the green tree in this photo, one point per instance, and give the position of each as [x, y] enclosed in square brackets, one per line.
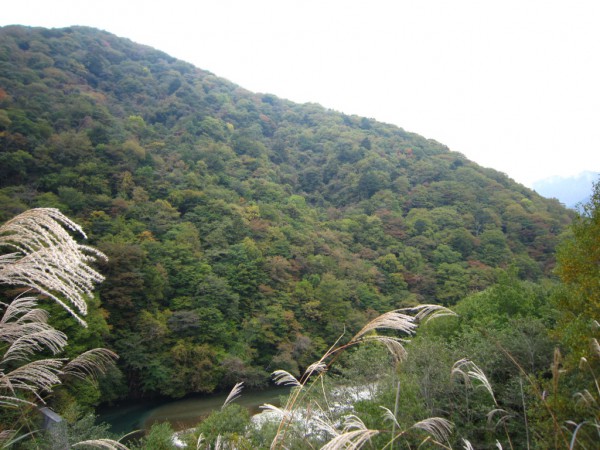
[578, 268]
[229, 423]
[160, 437]
[493, 248]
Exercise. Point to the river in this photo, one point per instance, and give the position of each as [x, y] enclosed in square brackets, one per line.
[183, 413]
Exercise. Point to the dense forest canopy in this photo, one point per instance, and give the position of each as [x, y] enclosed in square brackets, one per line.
[244, 232]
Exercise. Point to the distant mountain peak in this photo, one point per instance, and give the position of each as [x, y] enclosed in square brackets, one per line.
[569, 190]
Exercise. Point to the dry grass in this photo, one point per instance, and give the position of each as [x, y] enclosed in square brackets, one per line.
[354, 434]
[107, 444]
[472, 375]
[40, 254]
[235, 393]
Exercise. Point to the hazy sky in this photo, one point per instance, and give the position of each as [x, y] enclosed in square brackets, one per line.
[512, 84]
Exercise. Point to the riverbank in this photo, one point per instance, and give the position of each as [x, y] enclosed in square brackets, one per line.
[182, 413]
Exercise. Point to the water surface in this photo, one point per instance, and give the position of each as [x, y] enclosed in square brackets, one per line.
[183, 413]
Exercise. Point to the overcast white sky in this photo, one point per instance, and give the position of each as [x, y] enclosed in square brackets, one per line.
[512, 84]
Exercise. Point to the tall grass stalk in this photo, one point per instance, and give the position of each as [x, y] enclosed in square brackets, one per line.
[38, 254]
[524, 412]
[405, 321]
[539, 394]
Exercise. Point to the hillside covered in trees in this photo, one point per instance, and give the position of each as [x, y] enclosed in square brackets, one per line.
[244, 232]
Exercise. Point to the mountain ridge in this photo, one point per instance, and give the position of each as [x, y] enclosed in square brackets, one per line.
[243, 231]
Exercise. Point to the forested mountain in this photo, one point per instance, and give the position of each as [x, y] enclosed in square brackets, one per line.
[244, 232]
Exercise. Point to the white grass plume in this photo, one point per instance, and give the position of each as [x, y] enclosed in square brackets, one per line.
[404, 320]
[394, 345]
[596, 347]
[10, 401]
[25, 331]
[350, 440]
[45, 257]
[393, 320]
[438, 427]
[322, 424]
[389, 415]
[428, 312]
[281, 377]
[352, 421]
[38, 252]
[35, 376]
[107, 444]
[577, 427]
[503, 417]
[315, 368]
[585, 398]
[23, 309]
[282, 413]
[91, 364]
[219, 442]
[469, 371]
[235, 393]
[354, 435]
[37, 337]
[199, 441]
